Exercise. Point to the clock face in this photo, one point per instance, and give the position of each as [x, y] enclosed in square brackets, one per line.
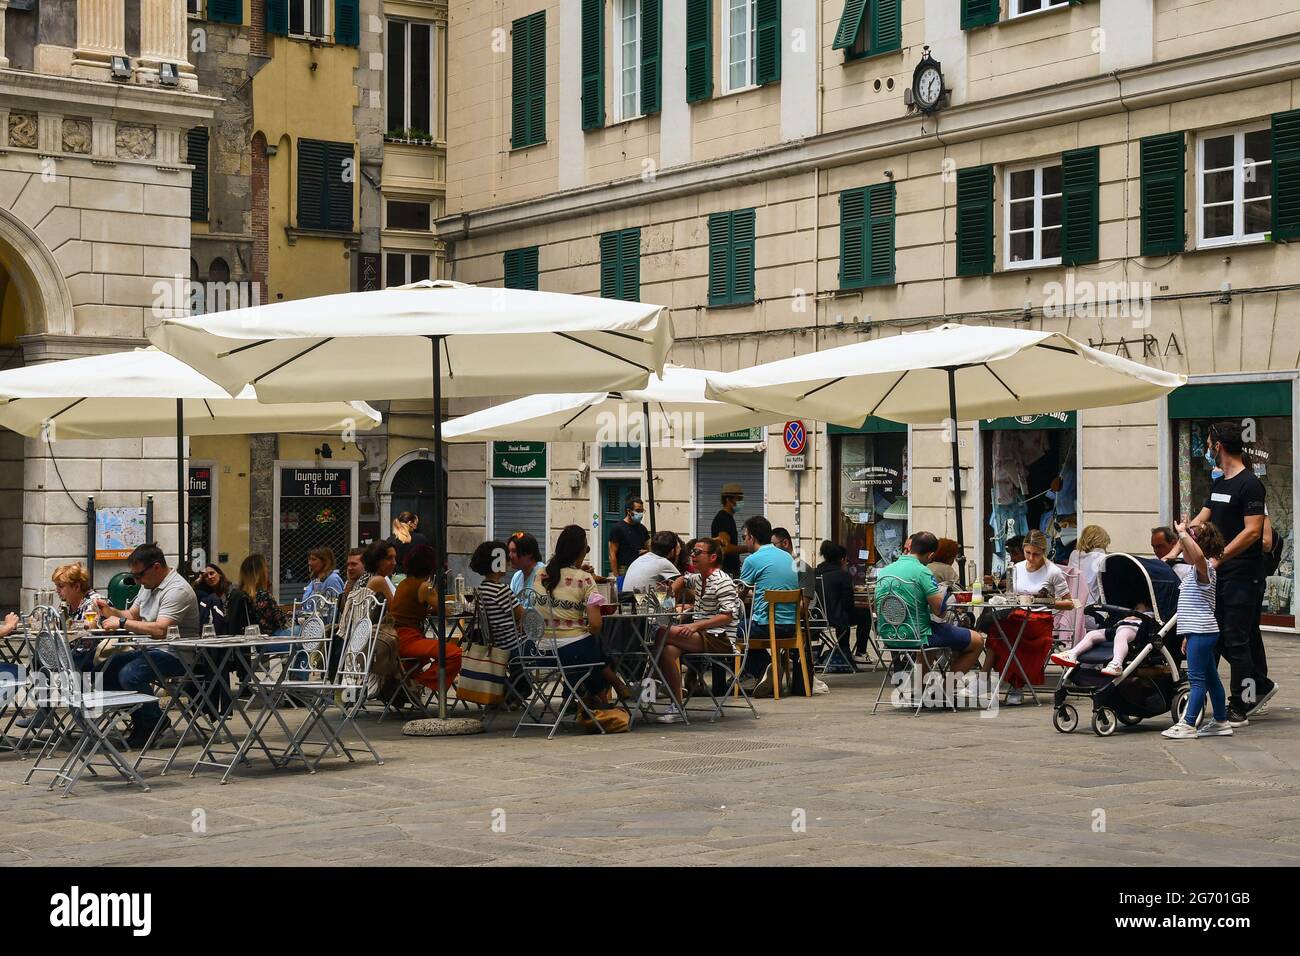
[929, 86]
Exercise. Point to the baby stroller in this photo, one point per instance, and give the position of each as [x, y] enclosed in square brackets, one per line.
[1152, 682]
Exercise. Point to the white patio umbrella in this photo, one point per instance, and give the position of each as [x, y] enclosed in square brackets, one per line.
[425, 340]
[672, 408]
[956, 372]
[146, 393]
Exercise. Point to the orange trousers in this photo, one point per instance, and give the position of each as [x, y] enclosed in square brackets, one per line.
[411, 643]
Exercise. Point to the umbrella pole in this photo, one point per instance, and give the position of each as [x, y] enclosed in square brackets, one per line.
[181, 526]
[440, 498]
[956, 476]
[649, 466]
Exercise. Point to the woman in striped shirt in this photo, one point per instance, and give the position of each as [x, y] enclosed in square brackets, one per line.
[505, 615]
[1199, 630]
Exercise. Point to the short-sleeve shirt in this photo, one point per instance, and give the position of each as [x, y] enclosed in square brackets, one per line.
[910, 581]
[1049, 577]
[770, 569]
[647, 570]
[521, 585]
[629, 540]
[566, 606]
[1231, 501]
[1196, 600]
[498, 602]
[724, 520]
[173, 599]
[718, 595]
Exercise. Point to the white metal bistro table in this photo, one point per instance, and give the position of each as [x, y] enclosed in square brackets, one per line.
[998, 613]
[644, 625]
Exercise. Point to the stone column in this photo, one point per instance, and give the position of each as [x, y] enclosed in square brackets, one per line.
[101, 35]
[164, 38]
[4, 60]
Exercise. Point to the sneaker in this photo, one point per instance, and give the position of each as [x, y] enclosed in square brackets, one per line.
[1113, 669]
[1236, 718]
[1257, 709]
[1015, 697]
[1180, 731]
[672, 715]
[820, 687]
[764, 686]
[1064, 660]
[1215, 728]
[35, 721]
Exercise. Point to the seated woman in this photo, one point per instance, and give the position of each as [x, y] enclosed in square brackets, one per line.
[505, 615]
[941, 565]
[78, 597]
[414, 599]
[1044, 581]
[835, 585]
[320, 563]
[1090, 557]
[211, 586]
[255, 583]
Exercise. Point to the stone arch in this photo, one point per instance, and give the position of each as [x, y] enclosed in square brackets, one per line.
[46, 301]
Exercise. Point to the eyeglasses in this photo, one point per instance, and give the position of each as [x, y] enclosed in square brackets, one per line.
[699, 552]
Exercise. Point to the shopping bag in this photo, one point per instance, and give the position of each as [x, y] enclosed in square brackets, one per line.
[483, 670]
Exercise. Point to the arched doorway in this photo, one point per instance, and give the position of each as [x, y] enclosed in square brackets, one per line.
[409, 486]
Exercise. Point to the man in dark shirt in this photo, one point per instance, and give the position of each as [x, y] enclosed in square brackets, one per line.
[1236, 508]
[724, 527]
[627, 539]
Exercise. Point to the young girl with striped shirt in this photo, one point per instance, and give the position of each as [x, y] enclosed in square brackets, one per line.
[1199, 630]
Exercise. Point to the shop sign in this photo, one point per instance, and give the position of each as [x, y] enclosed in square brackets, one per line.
[314, 482]
[1046, 420]
[200, 482]
[519, 459]
[739, 437]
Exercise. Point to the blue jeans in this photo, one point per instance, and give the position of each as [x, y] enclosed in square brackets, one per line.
[586, 651]
[1203, 674]
[131, 671]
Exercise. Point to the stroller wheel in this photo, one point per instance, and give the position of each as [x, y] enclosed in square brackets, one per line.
[1104, 721]
[1129, 721]
[1180, 704]
[1065, 718]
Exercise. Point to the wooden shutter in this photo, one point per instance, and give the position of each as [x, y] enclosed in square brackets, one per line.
[593, 64]
[652, 17]
[340, 172]
[196, 154]
[630, 266]
[311, 184]
[880, 235]
[699, 50]
[277, 17]
[521, 268]
[975, 221]
[853, 232]
[742, 256]
[1080, 205]
[519, 83]
[767, 40]
[226, 11]
[609, 266]
[886, 26]
[537, 77]
[979, 13]
[719, 258]
[1286, 175]
[1163, 213]
[347, 22]
[850, 24]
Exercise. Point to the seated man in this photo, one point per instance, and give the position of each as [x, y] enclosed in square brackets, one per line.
[165, 600]
[909, 579]
[655, 566]
[717, 608]
[768, 568]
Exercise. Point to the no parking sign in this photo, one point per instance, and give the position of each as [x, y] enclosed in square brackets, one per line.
[796, 438]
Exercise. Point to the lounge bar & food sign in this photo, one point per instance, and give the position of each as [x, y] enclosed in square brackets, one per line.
[314, 483]
[519, 459]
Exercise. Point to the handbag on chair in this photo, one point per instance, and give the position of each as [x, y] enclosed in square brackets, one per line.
[483, 672]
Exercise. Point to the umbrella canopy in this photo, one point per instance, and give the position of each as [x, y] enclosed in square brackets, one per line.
[376, 345]
[134, 395]
[995, 372]
[673, 403]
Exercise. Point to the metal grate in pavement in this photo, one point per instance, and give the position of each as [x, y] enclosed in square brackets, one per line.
[698, 766]
[703, 745]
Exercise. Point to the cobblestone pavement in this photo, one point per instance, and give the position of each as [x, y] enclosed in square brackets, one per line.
[941, 788]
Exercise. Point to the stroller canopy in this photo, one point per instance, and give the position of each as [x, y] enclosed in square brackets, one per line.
[1127, 581]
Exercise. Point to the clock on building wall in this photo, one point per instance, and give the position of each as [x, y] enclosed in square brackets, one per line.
[928, 93]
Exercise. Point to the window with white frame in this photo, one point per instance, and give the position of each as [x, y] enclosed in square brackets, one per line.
[738, 27]
[1020, 7]
[1032, 216]
[627, 58]
[194, 7]
[410, 79]
[309, 18]
[1234, 186]
[403, 267]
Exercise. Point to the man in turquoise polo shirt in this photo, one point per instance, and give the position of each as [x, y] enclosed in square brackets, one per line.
[768, 568]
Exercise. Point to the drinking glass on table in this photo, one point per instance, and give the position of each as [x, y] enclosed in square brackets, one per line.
[173, 633]
[253, 630]
[209, 631]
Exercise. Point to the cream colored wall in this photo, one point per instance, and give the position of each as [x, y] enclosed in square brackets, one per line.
[230, 452]
[1031, 52]
[1189, 27]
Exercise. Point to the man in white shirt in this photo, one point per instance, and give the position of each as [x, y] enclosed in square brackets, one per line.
[655, 565]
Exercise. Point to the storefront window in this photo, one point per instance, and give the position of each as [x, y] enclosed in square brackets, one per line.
[871, 497]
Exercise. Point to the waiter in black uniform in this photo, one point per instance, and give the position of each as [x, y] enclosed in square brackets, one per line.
[724, 527]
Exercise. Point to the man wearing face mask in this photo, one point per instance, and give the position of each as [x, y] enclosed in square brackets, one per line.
[628, 539]
[724, 527]
[1236, 508]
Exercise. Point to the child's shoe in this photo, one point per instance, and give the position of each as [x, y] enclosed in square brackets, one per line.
[1113, 669]
[1064, 660]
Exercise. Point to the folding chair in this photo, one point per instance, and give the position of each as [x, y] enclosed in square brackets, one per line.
[13, 680]
[89, 714]
[731, 664]
[548, 676]
[904, 642]
[825, 637]
[345, 693]
[514, 673]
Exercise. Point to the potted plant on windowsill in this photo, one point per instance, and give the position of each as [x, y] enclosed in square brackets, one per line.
[409, 137]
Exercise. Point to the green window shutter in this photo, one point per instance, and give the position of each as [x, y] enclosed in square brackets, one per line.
[853, 232]
[975, 221]
[886, 26]
[528, 80]
[979, 13]
[610, 273]
[699, 50]
[767, 39]
[719, 258]
[742, 256]
[347, 22]
[196, 154]
[630, 253]
[1286, 175]
[521, 268]
[1162, 171]
[880, 235]
[652, 17]
[519, 83]
[339, 172]
[311, 184]
[277, 17]
[537, 77]
[226, 11]
[1081, 206]
[593, 64]
[850, 24]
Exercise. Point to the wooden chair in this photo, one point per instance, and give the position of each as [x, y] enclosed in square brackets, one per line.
[799, 642]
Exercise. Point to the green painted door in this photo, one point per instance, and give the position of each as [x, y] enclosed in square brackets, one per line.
[614, 493]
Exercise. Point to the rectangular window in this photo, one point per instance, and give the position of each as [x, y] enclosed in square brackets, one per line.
[1234, 186]
[325, 185]
[1020, 7]
[627, 57]
[620, 456]
[738, 28]
[401, 268]
[979, 13]
[1032, 216]
[219, 11]
[528, 81]
[620, 265]
[410, 79]
[402, 214]
[194, 7]
[309, 18]
[521, 268]
[731, 257]
[196, 154]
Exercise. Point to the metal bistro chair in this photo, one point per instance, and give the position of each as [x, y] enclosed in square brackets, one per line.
[731, 664]
[904, 642]
[90, 714]
[345, 694]
[829, 653]
[514, 698]
[13, 679]
[548, 675]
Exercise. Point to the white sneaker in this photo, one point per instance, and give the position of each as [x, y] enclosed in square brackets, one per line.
[1215, 728]
[1015, 697]
[1182, 731]
[672, 715]
[764, 686]
[820, 686]
[1113, 669]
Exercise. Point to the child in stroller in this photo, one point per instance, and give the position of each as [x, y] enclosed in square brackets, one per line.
[1122, 633]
